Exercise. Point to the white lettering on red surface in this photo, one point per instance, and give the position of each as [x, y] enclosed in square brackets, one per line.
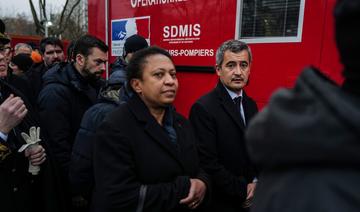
[191, 52]
[146, 3]
[180, 31]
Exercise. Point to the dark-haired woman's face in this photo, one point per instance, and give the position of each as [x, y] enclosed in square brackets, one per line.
[159, 85]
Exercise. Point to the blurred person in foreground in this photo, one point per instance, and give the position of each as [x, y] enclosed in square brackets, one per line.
[307, 140]
[145, 158]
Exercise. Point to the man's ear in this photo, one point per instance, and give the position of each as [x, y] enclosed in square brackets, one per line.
[217, 69]
[80, 59]
[136, 85]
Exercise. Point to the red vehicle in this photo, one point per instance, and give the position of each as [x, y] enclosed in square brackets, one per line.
[24, 39]
[284, 35]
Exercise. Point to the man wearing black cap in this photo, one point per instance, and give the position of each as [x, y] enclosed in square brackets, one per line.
[132, 44]
[307, 141]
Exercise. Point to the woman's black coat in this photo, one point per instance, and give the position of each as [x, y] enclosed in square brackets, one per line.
[133, 150]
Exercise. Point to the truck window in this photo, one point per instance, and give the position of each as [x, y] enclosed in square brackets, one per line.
[269, 21]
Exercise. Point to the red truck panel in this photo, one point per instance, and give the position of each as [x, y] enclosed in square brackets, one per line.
[191, 25]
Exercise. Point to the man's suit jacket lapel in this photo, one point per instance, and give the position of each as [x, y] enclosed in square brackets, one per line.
[152, 128]
[229, 105]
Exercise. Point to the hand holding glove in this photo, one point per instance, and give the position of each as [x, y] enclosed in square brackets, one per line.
[34, 151]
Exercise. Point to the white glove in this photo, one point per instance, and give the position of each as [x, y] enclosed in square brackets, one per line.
[32, 139]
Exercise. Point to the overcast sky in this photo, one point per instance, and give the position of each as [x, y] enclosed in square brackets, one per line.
[13, 7]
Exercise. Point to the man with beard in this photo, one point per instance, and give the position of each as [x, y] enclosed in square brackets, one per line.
[52, 51]
[220, 118]
[69, 90]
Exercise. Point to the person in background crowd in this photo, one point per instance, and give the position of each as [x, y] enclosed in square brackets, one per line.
[69, 90]
[22, 189]
[36, 57]
[22, 48]
[35, 54]
[81, 166]
[112, 95]
[52, 51]
[5, 50]
[18, 191]
[220, 118]
[145, 157]
[306, 141]
[19, 83]
[20, 63]
[132, 44]
[5, 46]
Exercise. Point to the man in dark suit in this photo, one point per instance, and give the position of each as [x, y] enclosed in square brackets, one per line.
[219, 119]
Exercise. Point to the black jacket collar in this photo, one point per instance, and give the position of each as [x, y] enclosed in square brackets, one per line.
[67, 75]
[154, 130]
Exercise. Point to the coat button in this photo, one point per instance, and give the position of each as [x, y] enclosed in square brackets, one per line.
[15, 189]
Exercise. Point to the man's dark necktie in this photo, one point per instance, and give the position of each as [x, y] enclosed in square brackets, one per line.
[238, 101]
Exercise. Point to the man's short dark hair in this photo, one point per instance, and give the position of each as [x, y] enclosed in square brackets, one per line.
[85, 44]
[70, 50]
[234, 46]
[50, 41]
[138, 61]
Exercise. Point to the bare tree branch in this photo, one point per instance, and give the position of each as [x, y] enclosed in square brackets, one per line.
[69, 21]
[39, 27]
[61, 27]
[43, 8]
[63, 12]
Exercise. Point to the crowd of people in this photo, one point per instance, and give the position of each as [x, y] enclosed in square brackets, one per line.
[73, 141]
